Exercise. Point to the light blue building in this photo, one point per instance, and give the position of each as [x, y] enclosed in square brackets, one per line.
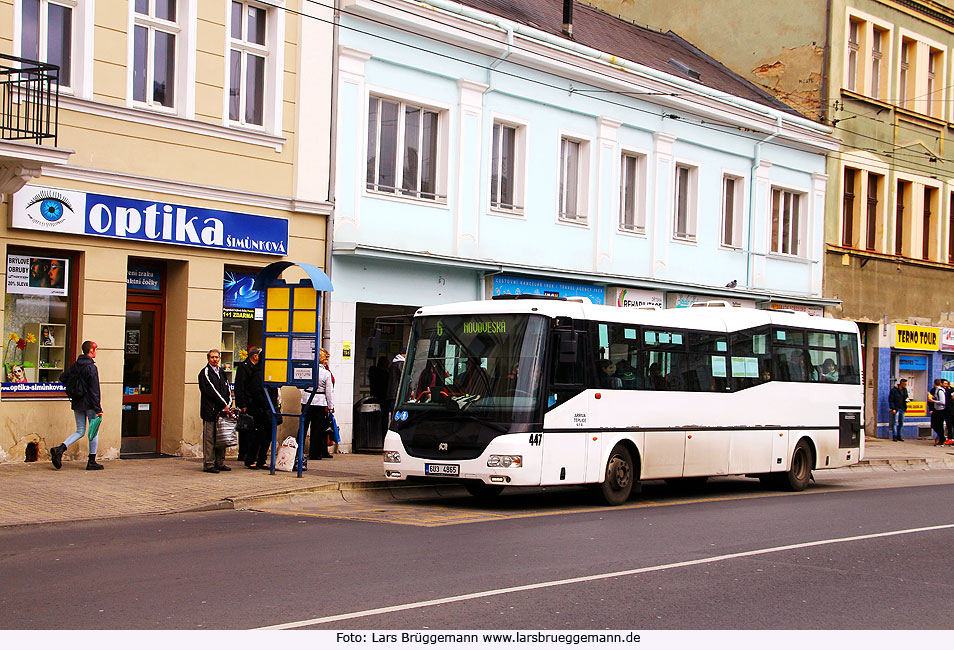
[482, 153]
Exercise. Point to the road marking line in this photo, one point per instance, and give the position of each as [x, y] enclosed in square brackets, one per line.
[600, 576]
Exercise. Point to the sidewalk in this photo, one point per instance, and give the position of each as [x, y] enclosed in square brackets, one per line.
[37, 493]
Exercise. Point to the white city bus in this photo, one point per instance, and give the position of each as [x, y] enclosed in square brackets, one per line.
[532, 391]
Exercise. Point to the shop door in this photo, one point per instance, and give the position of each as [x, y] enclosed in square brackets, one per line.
[142, 375]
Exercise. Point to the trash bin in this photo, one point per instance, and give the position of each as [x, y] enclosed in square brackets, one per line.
[369, 425]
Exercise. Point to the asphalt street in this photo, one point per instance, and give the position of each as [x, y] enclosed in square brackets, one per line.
[730, 556]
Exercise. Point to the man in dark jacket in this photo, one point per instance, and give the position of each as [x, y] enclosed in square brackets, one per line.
[250, 396]
[898, 403]
[215, 396]
[85, 408]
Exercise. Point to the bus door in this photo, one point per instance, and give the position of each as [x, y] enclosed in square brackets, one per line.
[564, 445]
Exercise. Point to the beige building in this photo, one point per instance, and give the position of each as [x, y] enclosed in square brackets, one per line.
[175, 148]
[880, 72]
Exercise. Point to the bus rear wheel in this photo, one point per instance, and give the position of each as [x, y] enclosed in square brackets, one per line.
[618, 483]
[483, 491]
[799, 474]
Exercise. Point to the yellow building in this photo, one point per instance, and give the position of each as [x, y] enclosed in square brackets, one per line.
[188, 145]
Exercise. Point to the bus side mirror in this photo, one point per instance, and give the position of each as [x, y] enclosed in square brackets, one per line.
[569, 344]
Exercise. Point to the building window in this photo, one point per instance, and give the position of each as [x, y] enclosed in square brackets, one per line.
[506, 189]
[902, 203]
[929, 223]
[684, 213]
[848, 208]
[248, 54]
[877, 52]
[875, 186]
[905, 78]
[155, 43]
[731, 210]
[854, 29]
[573, 172]
[632, 190]
[403, 154]
[38, 326]
[785, 222]
[48, 35]
[933, 102]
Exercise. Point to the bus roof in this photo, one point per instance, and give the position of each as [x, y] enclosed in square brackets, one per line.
[715, 318]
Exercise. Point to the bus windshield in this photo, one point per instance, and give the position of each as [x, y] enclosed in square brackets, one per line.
[489, 365]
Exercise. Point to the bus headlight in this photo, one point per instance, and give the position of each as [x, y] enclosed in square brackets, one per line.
[505, 461]
[392, 457]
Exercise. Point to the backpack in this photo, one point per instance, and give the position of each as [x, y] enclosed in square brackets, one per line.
[75, 386]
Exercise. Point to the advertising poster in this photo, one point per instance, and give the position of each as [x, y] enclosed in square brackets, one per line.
[37, 276]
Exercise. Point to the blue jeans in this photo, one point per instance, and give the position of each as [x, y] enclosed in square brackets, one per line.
[81, 418]
[897, 424]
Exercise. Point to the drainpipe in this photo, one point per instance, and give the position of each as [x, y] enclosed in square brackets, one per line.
[756, 163]
[332, 177]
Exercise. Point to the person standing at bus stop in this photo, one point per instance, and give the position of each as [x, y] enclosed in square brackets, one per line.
[250, 396]
[898, 403]
[937, 399]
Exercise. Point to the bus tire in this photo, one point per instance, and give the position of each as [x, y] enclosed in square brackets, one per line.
[795, 479]
[618, 482]
[483, 491]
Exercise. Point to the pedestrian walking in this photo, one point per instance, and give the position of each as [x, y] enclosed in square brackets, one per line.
[251, 398]
[937, 399]
[214, 398]
[82, 387]
[898, 403]
[318, 420]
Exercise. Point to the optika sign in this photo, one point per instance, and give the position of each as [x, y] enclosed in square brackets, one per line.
[80, 213]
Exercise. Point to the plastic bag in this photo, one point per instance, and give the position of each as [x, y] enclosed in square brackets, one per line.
[94, 427]
[287, 452]
[225, 432]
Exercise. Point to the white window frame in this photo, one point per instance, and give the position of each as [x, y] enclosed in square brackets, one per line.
[580, 217]
[638, 219]
[274, 67]
[738, 209]
[862, 82]
[81, 47]
[692, 201]
[184, 29]
[519, 166]
[440, 174]
[796, 239]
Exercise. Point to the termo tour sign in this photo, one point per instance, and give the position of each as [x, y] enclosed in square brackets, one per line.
[82, 213]
[915, 337]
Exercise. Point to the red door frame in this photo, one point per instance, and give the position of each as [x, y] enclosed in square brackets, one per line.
[156, 304]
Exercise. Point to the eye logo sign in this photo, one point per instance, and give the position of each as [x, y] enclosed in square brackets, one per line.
[48, 208]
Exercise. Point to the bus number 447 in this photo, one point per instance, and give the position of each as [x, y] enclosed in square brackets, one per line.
[536, 439]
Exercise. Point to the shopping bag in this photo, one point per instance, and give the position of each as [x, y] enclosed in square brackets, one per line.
[287, 452]
[94, 427]
[225, 435]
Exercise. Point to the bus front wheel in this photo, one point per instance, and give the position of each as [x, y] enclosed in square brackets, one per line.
[483, 491]
[618, 482]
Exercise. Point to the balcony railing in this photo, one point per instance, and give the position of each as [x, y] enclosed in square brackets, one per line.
[29, 99]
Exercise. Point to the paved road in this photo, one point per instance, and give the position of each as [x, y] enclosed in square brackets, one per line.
[844, 554]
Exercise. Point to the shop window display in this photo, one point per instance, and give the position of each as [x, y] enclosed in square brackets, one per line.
[241, 318]
[37, 321]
